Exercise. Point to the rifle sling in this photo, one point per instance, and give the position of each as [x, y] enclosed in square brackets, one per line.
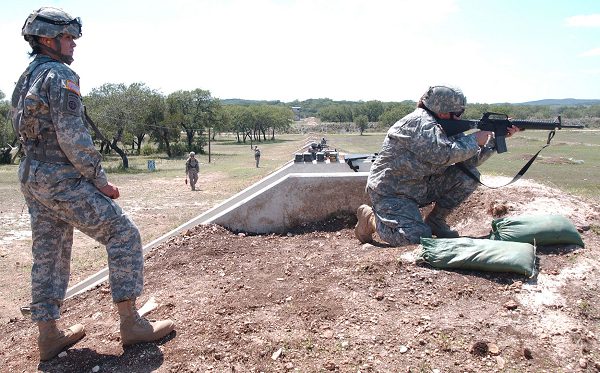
[464, 169]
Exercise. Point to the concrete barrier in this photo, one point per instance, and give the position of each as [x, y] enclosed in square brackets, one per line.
[295, 199]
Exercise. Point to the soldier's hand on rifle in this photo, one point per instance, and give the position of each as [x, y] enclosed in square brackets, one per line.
[483, 137]
[512, 130]
[110, 190]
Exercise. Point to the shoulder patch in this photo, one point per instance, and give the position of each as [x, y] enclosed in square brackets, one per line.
[72, 86]
[72, 104]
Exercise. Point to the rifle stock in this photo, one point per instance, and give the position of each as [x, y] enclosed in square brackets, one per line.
[499, 124]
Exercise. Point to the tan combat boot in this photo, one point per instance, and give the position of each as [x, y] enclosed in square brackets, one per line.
[437, 222]
[52, 341]
[136, 329]
[366, 224]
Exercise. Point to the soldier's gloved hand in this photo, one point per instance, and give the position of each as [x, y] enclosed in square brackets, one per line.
[110, 190]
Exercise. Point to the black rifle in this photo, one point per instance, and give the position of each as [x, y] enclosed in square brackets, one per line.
[494, 122]
[499, 124]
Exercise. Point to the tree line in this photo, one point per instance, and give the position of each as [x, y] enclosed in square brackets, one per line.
[387, 113]
[124, 116]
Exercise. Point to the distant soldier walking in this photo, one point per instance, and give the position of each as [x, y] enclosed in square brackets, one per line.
[65, 187]
[256, 155]
[192, 168]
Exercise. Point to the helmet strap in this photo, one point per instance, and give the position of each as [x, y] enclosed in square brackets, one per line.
[433, 114]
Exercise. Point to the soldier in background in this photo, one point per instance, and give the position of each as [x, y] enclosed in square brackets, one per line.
[416, 167]
[256, 155]
[313, 148]
[65, 187]
[192, 168]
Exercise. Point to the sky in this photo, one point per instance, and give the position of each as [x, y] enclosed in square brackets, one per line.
[388, 50]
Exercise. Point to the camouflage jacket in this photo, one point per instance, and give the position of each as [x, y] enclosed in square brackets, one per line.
[192, 165]
[416, 148]
[48, 116]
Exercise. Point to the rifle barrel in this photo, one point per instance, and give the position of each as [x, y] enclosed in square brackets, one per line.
[453, 127]
[535, 125]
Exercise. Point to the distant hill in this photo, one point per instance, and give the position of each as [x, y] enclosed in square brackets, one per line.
[325, 101]
[241, 101]
[562, 102]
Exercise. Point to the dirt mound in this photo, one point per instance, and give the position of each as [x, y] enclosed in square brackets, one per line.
[316, 300]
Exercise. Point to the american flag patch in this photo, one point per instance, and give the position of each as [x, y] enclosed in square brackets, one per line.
[72, 86]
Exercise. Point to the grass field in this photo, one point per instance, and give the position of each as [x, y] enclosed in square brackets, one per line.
[571, 163]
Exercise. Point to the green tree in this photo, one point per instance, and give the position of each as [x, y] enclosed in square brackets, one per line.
[241, 121]
[110, 110]
[571, 112]
[154, 120]
[311, 107]
[146, 108]
[395, 111]
[361, 121]
[8, 138]
[222, 120]
[372, 109]
[336, 113]
[193, 111]
[592, 111]
[271, 117]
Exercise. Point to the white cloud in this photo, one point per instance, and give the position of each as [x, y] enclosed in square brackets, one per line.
[589, 20]
[591, 52]
[592, 72]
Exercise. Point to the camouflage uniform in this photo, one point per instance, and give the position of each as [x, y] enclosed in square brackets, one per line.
[60, 176]
[257, 155]
[192, 168]
[415, 168]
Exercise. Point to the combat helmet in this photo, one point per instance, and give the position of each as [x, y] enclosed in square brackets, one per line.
[50, 22]
[444, 99]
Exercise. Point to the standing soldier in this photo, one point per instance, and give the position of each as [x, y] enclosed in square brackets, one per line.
[256, 155]
[192, 167]
[65, 187]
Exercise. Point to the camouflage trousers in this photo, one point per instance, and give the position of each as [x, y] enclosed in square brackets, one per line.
[55, 210]
[398, 218]
[193, 176]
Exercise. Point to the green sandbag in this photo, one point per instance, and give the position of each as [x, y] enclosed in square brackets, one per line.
[479, 254]
[536, 230]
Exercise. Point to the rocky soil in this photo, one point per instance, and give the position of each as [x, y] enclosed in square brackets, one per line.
[316, 300]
